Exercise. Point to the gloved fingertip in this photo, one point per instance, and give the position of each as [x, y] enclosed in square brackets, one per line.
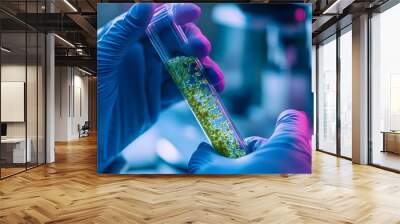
[201, 157]
[292, 128]
[292, 115]
[140, 14]
[219, 86]
[254, 142]
[199, 46]
[214, 74]
[294, 121]
[186, 12]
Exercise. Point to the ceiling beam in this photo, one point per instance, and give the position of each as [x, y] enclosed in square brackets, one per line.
[337, 7]
[79, 61]
[86, 26]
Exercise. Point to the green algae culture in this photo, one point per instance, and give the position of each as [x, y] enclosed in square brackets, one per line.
[168, 39]
[206, 106]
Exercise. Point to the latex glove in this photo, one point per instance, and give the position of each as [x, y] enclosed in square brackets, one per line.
[288, 150]
[133, 85]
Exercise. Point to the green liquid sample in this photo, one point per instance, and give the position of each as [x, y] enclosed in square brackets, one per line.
[205, 104]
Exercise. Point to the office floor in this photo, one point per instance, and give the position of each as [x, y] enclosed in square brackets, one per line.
[8, 171]
[387, 159]
[70, 191]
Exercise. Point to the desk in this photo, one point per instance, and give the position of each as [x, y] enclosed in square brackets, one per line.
[391, 141]
[13, 150]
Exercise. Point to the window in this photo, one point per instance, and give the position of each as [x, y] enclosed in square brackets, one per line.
[346, 93]
[327, 96]
[385, 89]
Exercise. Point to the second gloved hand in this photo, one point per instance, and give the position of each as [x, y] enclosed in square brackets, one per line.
[288, 150]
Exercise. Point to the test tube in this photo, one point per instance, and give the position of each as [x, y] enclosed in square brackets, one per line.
[187, 72]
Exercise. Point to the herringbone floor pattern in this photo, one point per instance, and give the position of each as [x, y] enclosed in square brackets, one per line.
[70, 191]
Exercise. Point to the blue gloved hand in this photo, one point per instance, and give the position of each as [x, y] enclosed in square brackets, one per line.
[288, 150]
[133, 85]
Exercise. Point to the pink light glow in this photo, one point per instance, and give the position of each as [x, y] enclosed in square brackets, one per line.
[300, 15]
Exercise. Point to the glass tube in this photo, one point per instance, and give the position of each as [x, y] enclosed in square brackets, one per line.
[188, 74]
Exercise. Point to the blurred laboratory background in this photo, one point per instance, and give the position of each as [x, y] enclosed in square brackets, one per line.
[265, 54]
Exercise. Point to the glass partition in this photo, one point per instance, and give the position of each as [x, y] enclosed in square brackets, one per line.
[346, 93]
[22, 89]
[14, 143]
[385, 89]
[327, 96]
[31, 99]
[41, 88]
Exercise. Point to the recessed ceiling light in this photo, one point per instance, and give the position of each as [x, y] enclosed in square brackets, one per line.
[84, 71]
[70, 5]
[65, 41]
[5, 50]
[337, 7]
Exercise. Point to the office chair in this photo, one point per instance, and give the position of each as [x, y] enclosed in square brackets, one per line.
[84, 130]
